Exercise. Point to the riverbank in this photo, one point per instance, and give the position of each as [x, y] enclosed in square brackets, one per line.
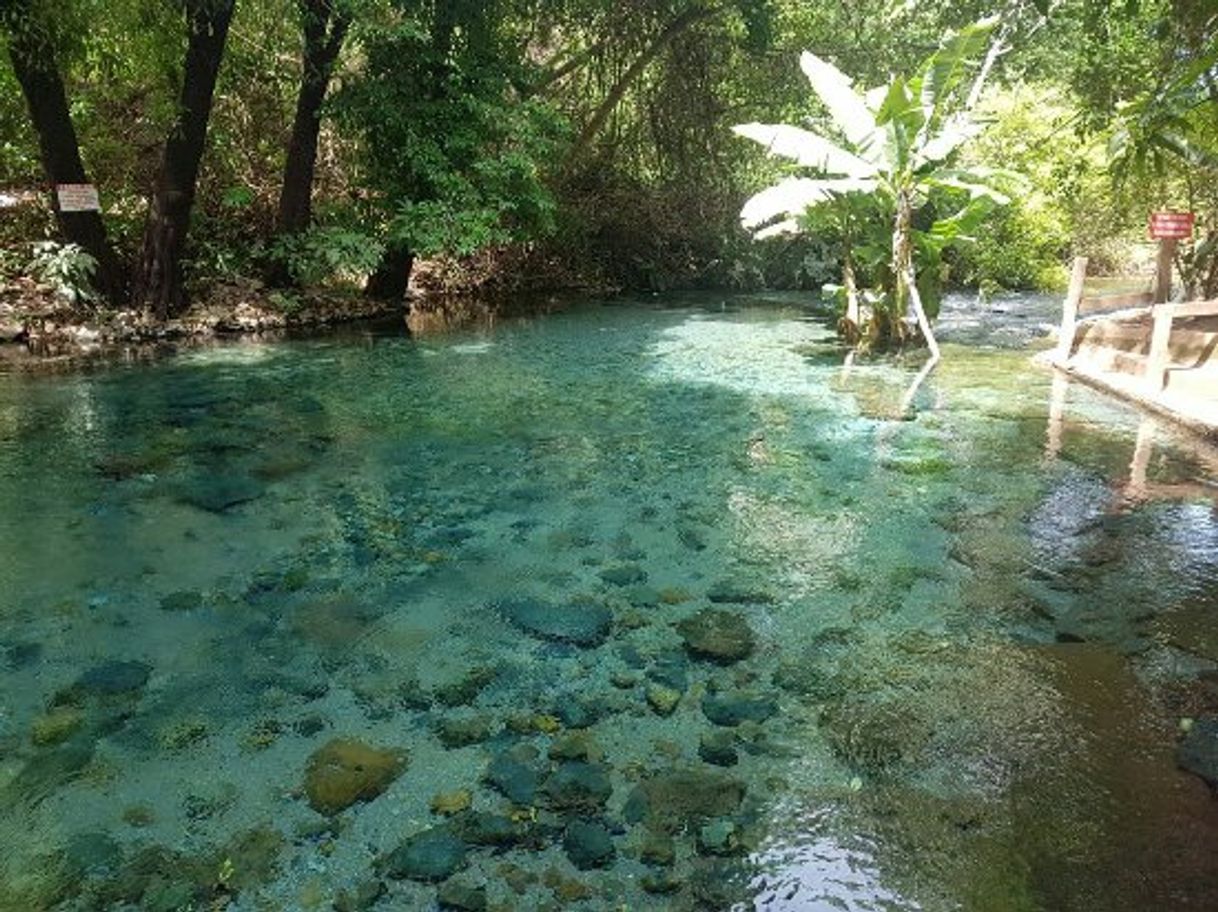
[37, 328]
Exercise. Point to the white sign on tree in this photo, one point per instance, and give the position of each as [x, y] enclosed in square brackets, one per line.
[77, 198]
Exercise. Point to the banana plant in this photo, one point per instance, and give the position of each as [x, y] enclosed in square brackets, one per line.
[890, 146]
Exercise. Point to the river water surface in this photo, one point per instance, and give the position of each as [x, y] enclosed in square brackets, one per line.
[647, 606]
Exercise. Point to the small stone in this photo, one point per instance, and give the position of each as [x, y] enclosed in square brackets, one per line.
[56, 726]
[673, 595]
[657, 848]
[517, 878]
[449, 803]
[721, 636]
[718, 747]
[624, 680]
[1198, 752]
[432, 855]
[139, 816]
[364, 897]
[182, 734]
[660, 882]
[461, 731]
[481, 829]
[625, 575]
[579, 787]
[588, 845]
[345, 771]
[576, 746]
[566, 889]
[220, 493]
[663, 699]
[462, 896]
[731, 709]
[516, 780]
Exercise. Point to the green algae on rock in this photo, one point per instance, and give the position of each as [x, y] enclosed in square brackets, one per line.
[345, 770]
[718, 635]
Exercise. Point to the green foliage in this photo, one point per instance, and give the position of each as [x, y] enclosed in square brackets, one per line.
[453, 154]
[883, 163]
[320, 254]
[66, 269]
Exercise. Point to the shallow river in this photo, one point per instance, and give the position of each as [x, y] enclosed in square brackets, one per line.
[647, 606]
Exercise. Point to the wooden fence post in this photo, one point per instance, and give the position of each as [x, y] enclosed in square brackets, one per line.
[1074, 295]
[1160, 336]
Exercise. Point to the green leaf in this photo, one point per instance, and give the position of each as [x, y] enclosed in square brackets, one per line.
[806, 148]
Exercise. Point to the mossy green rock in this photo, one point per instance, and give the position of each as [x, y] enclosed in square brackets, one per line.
[682, 797]
[462, 896]
[581, 624]
[732, 708]
[579, 787]
[718, 635]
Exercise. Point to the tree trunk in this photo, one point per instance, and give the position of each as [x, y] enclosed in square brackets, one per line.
[159, 282]
[902, 262]
[324, 31]
[34, 64]
[392, 276]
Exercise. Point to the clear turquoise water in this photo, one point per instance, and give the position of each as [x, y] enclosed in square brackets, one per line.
[979, 629]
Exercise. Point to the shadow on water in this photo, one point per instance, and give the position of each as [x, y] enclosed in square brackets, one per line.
[655, 591]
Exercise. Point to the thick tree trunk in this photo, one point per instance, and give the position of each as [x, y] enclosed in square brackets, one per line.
[159, 281]
[392, 276]
[324, 31]
[34, 64]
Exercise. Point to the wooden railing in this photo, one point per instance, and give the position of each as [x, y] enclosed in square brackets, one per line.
[1078, 308]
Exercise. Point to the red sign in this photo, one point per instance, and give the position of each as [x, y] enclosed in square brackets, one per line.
[1171, 225]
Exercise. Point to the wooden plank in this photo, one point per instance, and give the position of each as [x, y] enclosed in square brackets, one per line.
[1074, 295]
[1196, 308]
[1106, 303]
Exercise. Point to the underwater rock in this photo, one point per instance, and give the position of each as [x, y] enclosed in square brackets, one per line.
[1198, 752]
[660, 883]
[477, 828]
[721, 636]
[466, 688]
[186, 600]
[580, 624]
[807, 679]
[220, 493]
[873, 735]
[657, 848]
[625, 575]
[513, 778]
[449, 803]
[112, 679]
[576, 711]
[365, 895]
[577, 745]
[734, 593]
[55, 726]
[663, 700]
[462, 896]
[588, 845]
[718, 747]
[719, 837]
[579, 787]
[461, 731]
[732, 708]
[684, 796]
[431, 855]
[344, 771]
[88, 854]
[671, 668]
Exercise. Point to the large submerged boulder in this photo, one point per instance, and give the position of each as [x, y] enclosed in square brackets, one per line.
[344, 771]
[580, 624]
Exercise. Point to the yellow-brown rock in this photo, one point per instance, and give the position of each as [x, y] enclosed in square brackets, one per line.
[345, 771]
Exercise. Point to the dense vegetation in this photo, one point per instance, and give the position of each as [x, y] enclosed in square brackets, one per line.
[562, 143]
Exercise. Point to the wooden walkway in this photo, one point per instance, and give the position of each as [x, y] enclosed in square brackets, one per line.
[1162, 357]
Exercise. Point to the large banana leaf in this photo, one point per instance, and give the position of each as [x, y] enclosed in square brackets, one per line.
[946, 68]
[791, 197]
[847, 108]
[806, 148]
